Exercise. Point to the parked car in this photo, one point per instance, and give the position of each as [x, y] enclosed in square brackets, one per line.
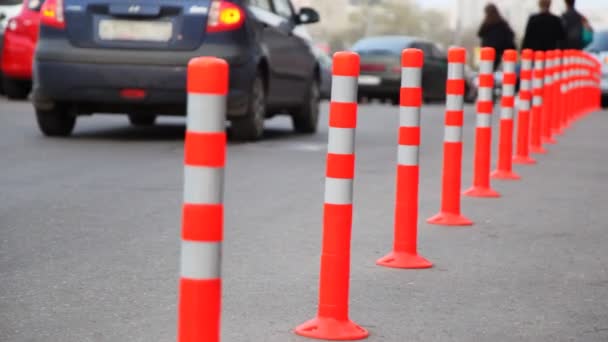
[8, 9]
[325, 65]
[599, 48]
[381, 67]
[112, 56]
[17, 55]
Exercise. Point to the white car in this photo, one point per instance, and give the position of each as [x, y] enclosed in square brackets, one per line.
[8, 9]
[599, 48]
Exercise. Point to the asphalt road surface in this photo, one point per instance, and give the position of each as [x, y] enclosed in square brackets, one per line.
[90, 233]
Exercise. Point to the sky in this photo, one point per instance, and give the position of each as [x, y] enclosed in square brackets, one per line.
[580, 3]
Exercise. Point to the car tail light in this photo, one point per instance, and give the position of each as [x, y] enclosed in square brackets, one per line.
[133, 93]
[373, 67]
[52, 14]
[397, 70]
[13, 25]
[224, 16]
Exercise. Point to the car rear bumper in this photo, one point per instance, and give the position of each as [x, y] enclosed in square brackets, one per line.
[96, 88]
[92, 79]
[387, 88]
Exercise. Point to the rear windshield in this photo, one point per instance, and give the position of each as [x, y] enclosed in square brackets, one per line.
[9, 2]
[35, 5]
[381, 45]
[600, 42]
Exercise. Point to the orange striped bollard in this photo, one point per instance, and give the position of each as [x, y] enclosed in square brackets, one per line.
[557, 98]
[537, 103]
[405, 251]
[449, 214]
[563, 93]
[332, 321]
[483, 132]
[202, 222]
[504, 170]
[522, 155]
[548, 105]
[569, 87]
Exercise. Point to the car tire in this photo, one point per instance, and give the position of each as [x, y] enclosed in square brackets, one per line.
[251, 127]
[16, 89]
[142, 120]
[306, 119]
[56, 122]
[1, 84]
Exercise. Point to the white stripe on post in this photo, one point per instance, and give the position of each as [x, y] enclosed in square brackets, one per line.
[411, 77]
[455, 71]
[484, 120]
[407, 155]
[507, 113]
[200, 260]
[409, 116]
[344, 89]
[341, 140]
[206, 113]
[454, 102]
[452, 134]
[485, 94]
[203, 185]
[338, 190]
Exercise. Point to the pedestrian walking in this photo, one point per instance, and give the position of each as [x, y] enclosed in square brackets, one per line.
[496, 33]
[544, 30]
[579, 32]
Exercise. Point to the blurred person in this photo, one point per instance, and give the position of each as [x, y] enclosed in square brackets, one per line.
[544, 30]
[495, 32]
[579, 32]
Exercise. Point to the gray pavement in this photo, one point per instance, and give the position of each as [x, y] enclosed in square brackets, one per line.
[89, 236]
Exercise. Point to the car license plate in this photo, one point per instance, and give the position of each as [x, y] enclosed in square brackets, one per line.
[131, 30]
[369, 80]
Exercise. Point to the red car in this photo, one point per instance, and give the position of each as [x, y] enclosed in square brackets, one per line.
[20, 40]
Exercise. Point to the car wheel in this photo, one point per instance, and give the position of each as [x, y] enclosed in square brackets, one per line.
[16, 89]
[56, 122]
[251, 127]
[307, 117]
[1, 84]
[142, 120]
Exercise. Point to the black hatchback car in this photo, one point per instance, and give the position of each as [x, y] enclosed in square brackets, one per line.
[113, 56]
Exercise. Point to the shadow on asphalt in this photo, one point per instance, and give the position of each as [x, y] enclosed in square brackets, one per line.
[168, 132]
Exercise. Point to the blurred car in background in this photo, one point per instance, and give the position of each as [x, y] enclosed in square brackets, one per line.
[325, 65]
[599, 48]
[381, 67]
[8, 9]
[17, 56]
[112, 56]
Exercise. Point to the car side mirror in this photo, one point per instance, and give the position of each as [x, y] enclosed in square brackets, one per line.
[308, 15]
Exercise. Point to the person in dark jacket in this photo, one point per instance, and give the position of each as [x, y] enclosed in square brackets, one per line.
[574, 25]
[495, 32]
[544, 30]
